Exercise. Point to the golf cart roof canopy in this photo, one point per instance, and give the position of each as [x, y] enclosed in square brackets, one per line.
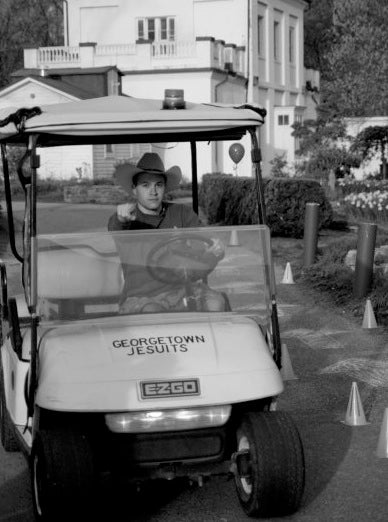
[113, 119]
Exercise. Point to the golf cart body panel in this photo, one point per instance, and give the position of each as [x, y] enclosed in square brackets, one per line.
[124, 357]
[15, 372]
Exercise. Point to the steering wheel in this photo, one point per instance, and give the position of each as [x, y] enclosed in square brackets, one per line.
[182, 259]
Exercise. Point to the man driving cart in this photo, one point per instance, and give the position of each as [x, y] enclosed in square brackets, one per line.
[178, 280]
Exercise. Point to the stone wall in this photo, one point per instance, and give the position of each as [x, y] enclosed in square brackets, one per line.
[102, 194]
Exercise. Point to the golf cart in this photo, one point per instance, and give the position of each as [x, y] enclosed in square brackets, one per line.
[88, 390]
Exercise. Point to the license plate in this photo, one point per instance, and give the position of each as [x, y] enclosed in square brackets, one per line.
[162, 389]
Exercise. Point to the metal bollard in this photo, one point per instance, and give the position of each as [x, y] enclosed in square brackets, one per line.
[310, 233]
[363, 273]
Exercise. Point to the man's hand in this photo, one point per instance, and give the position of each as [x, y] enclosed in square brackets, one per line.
[217, 248]
[126, 212]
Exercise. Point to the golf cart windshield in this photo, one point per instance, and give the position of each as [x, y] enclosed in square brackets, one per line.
[89, 275]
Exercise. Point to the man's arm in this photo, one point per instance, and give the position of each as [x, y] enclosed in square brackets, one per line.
[115, 224]
[124, 217]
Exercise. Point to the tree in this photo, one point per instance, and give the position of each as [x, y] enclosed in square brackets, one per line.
[27, 23]
[322, 147]
[356, 83]
[371, 140]
[318, 25]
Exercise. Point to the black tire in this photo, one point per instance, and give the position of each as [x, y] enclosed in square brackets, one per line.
[270, 477]
[7, 433]
[62, 476]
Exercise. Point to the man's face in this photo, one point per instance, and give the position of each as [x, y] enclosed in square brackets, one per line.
[149, 190]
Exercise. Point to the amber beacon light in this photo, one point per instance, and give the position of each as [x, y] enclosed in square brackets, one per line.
[174, 99]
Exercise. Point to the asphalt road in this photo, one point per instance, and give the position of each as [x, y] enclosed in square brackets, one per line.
[345, 480]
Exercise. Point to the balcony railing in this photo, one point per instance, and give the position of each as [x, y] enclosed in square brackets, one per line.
[115, 50]
[58, 55]
[204, 52]
[173, 49]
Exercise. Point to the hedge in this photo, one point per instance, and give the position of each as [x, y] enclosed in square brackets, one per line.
[227, 200]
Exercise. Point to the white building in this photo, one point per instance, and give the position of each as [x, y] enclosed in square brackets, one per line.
[228, 51]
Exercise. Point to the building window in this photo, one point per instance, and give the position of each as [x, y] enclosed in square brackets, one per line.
[260, 35]
[283, 119]
[276, 41]
[156, 29]
[140, 30]
[108, 150]
[291, 44]
[163, 28]
[171, 28]
[151, 29]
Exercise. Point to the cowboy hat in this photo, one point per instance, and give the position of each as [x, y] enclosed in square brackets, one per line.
[150, 162]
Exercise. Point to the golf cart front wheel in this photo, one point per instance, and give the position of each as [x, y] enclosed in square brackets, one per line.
[62, 476]
[270, 468]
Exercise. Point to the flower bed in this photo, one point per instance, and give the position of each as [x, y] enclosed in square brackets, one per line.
[350, 186]
[369, 206]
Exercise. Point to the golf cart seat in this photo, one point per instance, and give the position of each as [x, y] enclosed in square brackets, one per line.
[71, 278]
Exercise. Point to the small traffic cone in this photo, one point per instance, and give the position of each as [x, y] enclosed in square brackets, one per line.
[287, 277]
[355, 415]
[233, 241]
[369, 320]
[382, 445]
[286, 371]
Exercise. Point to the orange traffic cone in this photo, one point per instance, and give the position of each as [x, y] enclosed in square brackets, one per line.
[233, 241]
[288, 278]
[369, 320]
[286, 370]
[382, 445]
[355, 415]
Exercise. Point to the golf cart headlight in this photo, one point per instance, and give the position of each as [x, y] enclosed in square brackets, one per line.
[168, 420]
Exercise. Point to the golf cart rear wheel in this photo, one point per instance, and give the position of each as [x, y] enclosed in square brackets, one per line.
[270, 465]
[8, 437]
[62, 476]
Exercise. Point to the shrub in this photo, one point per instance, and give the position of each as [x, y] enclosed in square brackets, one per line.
[330, 274]
[228, 200]
[286, 202]
[279, 166]
[183, 191]
[51, 189]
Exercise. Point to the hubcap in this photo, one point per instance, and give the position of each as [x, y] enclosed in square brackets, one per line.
[246, 482]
